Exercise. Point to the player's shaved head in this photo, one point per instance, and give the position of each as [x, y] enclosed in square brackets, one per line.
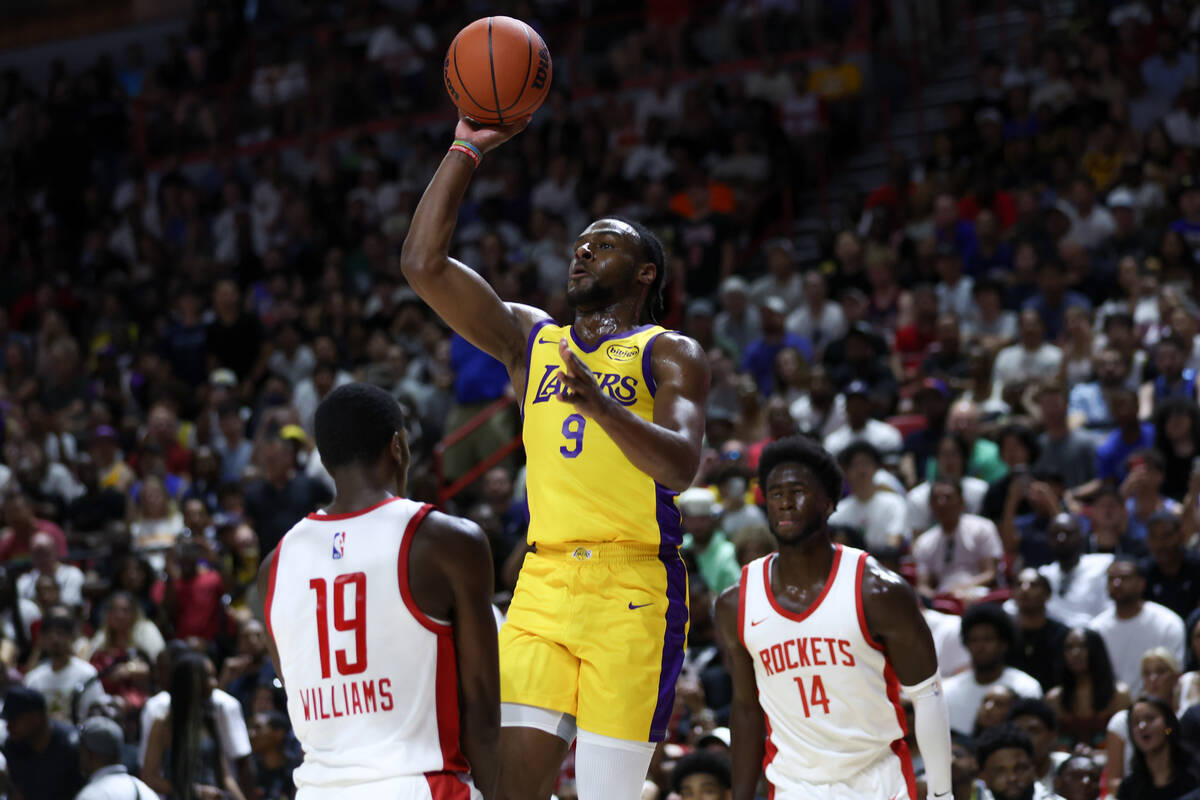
[355, 423]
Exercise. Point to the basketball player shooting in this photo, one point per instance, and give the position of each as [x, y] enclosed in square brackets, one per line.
[821, 639]
[381, 627]
[613, 420]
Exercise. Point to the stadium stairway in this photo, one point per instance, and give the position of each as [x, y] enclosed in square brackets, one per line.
[948, 78]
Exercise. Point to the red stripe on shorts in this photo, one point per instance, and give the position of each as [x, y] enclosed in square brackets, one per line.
[447, 786]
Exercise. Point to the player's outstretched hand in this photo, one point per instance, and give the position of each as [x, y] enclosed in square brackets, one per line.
[488, 137]
[579, 384]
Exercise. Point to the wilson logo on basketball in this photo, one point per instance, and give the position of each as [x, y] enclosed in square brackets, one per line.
[620, 352]
[543, 70]
[447, 81]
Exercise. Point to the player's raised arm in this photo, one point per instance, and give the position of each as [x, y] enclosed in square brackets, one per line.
[458, 552]
[458, 294]
[748, 734]
[668, 448]
[894, 619]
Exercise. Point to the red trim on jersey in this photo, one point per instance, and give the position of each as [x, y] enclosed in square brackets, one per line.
[402, 575]
[446, 698]
[898, 746]
[833, 568]
[447, 786]
[350, 514]
[742, 605]
[858, 604]
[271, 588]
[769, 755]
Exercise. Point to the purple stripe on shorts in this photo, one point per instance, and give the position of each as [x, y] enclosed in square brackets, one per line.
[675, 635]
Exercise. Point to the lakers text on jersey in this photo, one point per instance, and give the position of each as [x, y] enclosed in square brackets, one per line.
[581, 487]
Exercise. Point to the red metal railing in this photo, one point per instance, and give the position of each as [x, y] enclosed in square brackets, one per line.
[448, 492]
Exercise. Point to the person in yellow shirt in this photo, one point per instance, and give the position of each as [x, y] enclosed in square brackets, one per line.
[1102, 162]
[837, 78]
[613, 420]
[113, 471]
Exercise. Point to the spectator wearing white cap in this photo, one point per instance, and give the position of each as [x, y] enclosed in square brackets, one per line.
[1129, 239]
[100, 744]
[737, 321]
[1147, 196]
[715, 554]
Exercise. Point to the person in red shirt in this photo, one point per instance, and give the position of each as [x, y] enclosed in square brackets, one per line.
[992, 198]
[780, 425]
[896, 192]
[913, 339]
[20, 526]
[162, 430]
[192, 593]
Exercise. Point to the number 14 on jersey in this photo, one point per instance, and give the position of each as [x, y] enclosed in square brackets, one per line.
[817, 696]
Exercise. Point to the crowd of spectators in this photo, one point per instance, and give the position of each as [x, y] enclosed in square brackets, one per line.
[999, 345]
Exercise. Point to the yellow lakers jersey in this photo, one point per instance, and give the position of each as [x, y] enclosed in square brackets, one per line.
[581, 487]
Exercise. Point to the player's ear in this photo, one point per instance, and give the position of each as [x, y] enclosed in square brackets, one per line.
[400, 455]
[647, 273]
[399, 448]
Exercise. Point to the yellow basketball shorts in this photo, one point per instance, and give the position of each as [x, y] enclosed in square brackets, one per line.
[598, 631]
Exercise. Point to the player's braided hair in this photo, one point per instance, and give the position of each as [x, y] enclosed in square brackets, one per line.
[653, 252]
[355, 423]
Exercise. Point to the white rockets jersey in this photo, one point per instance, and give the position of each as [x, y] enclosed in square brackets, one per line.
[371, 681]
[828, 692]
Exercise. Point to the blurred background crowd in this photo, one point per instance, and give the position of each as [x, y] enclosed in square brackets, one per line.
[997, 332]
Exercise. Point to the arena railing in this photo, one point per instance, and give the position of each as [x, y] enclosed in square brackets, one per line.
[447, 491]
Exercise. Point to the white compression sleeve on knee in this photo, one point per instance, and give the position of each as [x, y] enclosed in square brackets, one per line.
[555, 723]
[610, 769]
[932, 728]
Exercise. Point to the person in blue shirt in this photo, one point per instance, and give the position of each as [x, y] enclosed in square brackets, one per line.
[759, 358]
[1053, 298]
[1130, 436]
[1088, 403]
[1188, 225]
[479, 380]
[1170, 358]
[949, 229]
[1143, 492]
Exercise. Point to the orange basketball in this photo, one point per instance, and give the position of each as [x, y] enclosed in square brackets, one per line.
[497, 70]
